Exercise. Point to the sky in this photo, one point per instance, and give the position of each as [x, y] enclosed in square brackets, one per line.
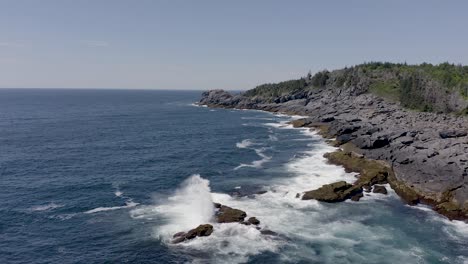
[233, 45]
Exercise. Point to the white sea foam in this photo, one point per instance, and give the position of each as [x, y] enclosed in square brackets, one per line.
[190, 206]
[457, 230]
[247, 143]
[244, 143]
[272, 138]
[257, 163]
[198, 105]
[104, 209]
[281, 124]
[46, 207]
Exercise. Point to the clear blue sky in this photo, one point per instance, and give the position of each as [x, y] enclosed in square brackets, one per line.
[216, 44]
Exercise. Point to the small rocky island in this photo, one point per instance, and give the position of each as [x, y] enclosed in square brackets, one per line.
[224, 214]
[405, 125]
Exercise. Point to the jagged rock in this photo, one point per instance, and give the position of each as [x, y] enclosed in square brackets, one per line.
[453, 133]
[253, 221]
[227, 214]
[334, 192]
[379, 189]
[201, 230]
[367, 188]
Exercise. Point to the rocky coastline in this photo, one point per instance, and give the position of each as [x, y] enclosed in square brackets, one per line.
[423, 156]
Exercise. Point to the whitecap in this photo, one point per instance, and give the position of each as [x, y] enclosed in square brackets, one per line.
[272, 138]
[46, 207]
[244, 143]
[104, 209]
[257, 163]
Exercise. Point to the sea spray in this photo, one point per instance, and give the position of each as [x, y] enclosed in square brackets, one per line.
[189, 206]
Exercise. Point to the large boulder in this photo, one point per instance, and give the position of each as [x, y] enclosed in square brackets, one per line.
[301, 122]
[226, 214]
[334, 192]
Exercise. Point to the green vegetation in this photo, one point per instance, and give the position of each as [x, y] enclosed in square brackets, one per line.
[320, 79]
[386, 89]
[424, 87]
[277, 89]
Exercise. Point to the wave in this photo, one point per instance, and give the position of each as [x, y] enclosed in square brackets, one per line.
[257, 163]
[257, 118]
[104, 209]
[197, 105]
[192, 205]
[281, 124]
[272, 138]
[45, 207]
[189, 206]
[457, 230]
[129, 203]
[244, 143]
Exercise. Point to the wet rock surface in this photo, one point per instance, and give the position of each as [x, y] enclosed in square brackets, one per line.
[201, 230]
[379, 189]
[334, 192]
[226, 214]
[427, 152]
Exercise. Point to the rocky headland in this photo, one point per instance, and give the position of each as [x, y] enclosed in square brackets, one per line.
[394, 123]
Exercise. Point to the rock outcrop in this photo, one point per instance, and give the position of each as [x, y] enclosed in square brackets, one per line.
[200, 231]
[226, 214]
[334, 192]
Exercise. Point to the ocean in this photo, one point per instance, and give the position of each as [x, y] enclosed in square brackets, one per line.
[108, 176]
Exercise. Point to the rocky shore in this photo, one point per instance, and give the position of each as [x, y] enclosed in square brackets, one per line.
[424, 156]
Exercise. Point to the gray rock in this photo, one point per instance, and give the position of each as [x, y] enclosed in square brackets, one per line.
[379, 189]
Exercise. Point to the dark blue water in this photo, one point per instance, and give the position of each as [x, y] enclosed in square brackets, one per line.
[86, 176]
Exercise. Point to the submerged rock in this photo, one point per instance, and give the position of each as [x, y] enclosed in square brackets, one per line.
[268, 232]
[253, 221]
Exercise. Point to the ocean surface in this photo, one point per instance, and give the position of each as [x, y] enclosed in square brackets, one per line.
[108, 176]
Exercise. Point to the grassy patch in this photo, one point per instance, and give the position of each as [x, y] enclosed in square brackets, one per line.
[386, 89]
